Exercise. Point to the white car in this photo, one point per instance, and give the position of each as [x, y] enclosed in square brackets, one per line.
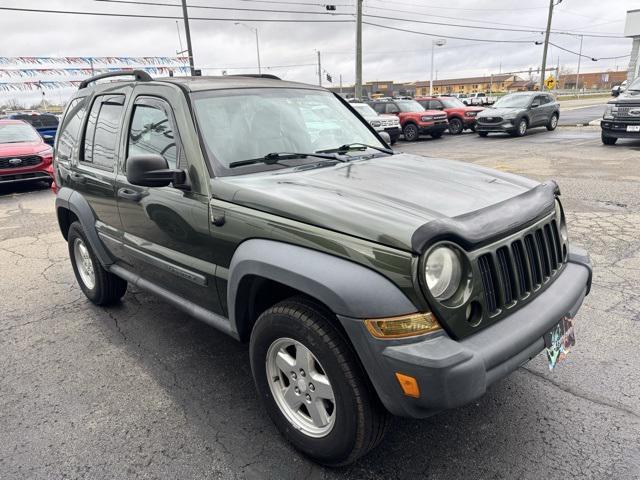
[381, 123]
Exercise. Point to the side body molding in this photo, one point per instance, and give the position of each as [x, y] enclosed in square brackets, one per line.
[347, 288]
[75, 202]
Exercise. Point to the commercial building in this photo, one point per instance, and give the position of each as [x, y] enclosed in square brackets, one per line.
[501, 83]
[592, 80]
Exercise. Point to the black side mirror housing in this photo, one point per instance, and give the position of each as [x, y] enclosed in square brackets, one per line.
[153, 171]
[615, 91]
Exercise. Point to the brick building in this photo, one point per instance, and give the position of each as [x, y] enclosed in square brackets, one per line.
[493, 83]
[593, 80]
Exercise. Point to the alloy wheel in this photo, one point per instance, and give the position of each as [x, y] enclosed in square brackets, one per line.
[84, 264]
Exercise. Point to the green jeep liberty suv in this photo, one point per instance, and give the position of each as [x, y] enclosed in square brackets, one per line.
[365, 281]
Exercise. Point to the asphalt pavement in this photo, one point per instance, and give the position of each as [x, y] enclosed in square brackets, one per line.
[573, 116]
[140, 390]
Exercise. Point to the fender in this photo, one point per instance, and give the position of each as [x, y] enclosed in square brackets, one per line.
[347, 288]
[75, 202]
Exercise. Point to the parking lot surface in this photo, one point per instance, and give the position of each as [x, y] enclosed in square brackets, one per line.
[141, 390]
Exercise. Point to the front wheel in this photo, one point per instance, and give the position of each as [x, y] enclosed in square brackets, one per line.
[455, 126]
[312, 385]
[608, 140]
[553, 122]
[521, 129]
[99, 285]
[411, 132]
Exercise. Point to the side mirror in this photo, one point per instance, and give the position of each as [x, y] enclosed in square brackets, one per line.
[386, 137]
[48, 139]
[153, 171]
[615, 91]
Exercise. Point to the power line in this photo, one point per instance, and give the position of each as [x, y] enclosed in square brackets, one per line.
[588, 56]
[298, 3]
[461, 8]
[172, 17]
[210, 7]
[389, 27]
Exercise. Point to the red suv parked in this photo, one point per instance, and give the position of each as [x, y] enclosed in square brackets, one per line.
[459, 115]
[24, 156]
[415, 120]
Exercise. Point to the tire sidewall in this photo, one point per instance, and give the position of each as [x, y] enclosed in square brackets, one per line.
[520, 131]
[553, 122]
[339, 442]
[75, 232]
[411, 128]
[459, 127]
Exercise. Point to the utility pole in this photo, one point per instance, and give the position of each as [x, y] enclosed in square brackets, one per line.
[340, 84]
[319, 69]
[187, 32]
[546, 43]
[258, 52]
[578, 73]
[358, 89]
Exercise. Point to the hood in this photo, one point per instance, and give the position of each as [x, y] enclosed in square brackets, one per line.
[383, 199]
[24, 148]
[498, 112]
[628, 96]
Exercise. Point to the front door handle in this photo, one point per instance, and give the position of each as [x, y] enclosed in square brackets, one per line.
[131, 195]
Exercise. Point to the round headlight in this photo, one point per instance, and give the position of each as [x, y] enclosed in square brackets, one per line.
[443, 272]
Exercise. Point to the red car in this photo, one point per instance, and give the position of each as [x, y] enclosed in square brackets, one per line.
[459, 115]
[415, 120]
[24, 156]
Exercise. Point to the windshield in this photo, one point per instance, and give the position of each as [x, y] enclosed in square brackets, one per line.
[365, 110]
[246, 124]
[409, 106]
[17, 133]
[513, 101]
[635, 85]
[452, 103]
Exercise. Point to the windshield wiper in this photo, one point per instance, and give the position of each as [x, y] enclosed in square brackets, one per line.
[355, 146]
[273, 158]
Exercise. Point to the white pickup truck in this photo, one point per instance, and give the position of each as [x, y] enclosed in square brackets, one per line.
[479, 98]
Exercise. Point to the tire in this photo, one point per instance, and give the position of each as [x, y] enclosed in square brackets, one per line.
[553, 122]
[436, 135]
[483, 134]
[355, 420]
[411, 132]
[608, 140]
[521, 129]
[99, 286]
[455, 126]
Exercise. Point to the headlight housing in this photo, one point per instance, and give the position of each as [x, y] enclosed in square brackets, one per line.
[426, 118]
[610, 112]
[510, 115]
[470, 114]
[443, 272]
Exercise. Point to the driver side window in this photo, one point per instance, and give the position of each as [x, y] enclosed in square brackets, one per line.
[152, 132]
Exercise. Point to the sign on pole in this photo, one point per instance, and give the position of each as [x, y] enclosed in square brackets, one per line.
[550, 82]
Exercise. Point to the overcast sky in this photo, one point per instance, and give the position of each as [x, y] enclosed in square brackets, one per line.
[388, 54]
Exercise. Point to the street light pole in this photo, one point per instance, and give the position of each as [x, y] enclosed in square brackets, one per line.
[438, 42]
[578, 73]
[255, 31]
[187, 31]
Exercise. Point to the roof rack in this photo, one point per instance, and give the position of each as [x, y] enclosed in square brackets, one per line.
[255, 75]
[140, 76]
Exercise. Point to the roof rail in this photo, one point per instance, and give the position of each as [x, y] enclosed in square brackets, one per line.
[140, 76]
[255, 75]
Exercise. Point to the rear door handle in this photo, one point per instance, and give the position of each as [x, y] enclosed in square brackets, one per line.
[131, 195]
[77, 177]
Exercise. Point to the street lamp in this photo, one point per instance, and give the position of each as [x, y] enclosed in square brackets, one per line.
[439, 42]
[254, 30]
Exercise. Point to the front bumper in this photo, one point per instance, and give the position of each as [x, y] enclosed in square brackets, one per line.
[504, 126]
[453, 373]
[40, 175]
[438, 126]
[618, 128]
[394, 132]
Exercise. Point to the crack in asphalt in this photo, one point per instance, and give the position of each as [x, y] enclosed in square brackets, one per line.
[588, 397]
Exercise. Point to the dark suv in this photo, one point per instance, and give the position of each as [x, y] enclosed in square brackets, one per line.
[516, 113]
[365, 281]
[621, 117]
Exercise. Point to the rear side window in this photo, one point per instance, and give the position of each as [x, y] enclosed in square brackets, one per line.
[152, 132]
[435, 105]
[101, 135]
[48, 121]
[69, 134]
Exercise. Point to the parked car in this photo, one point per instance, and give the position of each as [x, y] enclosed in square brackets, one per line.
[479, 99]
[46, 124]
[516, 113]
[414, 119]
[24, 157]
[459, 116]
[365, 281]
[381, 123]
[622, 115]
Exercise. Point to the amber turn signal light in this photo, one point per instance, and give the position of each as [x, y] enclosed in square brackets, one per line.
[409, 385]
[404, 326]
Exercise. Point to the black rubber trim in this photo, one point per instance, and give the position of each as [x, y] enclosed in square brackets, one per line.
[484, 226]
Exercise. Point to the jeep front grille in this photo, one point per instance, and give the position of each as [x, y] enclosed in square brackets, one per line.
[516, 270]
[19, 162]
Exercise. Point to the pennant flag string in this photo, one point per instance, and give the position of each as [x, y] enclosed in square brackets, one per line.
[34, 72]
[93, 60]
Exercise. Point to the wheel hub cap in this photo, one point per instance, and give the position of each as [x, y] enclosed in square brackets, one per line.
[84, 264]
[300, 387]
